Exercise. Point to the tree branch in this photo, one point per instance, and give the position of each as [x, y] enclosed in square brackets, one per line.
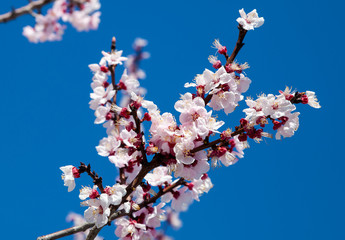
[67, 232]
[96, 179]
[239, 44]
[36, 5]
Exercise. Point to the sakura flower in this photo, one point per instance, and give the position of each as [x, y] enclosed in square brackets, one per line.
[100, 96]
[87, 192]
[173, 219]
[209, 80]
[103, 114]
[181, 200]
[139, 43]
[114, 58]
[312, 100]
[196, 169]
[47, 28]
[221, 49]
[129, 228]
[155, 216]
[120, 158]
[158, 177]
[226, 159]
[77, 221]
[108, 146]
[250, 21]
[139, 101]
[69, 173]
[84, 22]
[98, 210]
[214, 61]
[130, 138]
[130, 84]
[224, 100]
[182, 151]
[200, 186]
[115, 193]
[289, 127]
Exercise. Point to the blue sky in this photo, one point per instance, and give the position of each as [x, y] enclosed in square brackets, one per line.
[289, 189]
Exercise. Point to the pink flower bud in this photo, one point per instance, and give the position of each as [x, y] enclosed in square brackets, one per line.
[135, 104]
[243, 122]
[176, 195]
[146, 187]
[146, 117]
[242, 137]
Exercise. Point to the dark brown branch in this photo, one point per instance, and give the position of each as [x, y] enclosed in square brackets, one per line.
[96, 179]
[215, 142]
[181, 181]
[239, 44]
[155, 162]
[138, 131]
[122, 176]
[28, 9]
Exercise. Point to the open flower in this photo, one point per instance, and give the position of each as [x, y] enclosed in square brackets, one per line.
[69, 173]
[98, 210]
[250, 21]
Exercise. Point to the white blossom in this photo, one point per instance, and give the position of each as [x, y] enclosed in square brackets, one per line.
[251, 20]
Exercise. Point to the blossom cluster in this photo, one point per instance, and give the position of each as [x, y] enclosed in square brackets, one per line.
[160, 176]
[82, 14]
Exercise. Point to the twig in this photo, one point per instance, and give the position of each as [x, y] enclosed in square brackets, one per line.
[67, 232]
[138, 131]
[96, 180]
[215, 142]
[239, 44]
[28, 9]
[181, 181]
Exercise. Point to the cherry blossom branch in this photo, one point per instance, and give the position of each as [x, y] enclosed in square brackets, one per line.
[215, 142]
[294, 99]
[138, 131]
[153, 199]
[122, 176]
[239, 44]
[66, 232]
[112, 69]
[96, 180]
[28, 9]
[155, 162]
[94, 231]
